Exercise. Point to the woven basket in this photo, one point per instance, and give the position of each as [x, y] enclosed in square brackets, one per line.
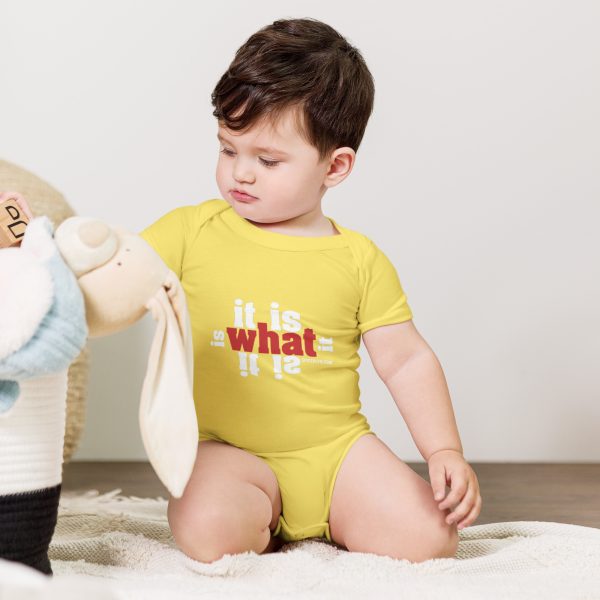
[43, 199]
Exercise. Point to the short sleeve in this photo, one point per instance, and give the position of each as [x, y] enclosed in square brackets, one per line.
[167, 238]
[383, 300]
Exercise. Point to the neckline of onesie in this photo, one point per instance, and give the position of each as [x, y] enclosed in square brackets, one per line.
[282, 241]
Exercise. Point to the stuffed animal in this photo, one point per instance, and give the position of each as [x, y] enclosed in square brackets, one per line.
[59, 287]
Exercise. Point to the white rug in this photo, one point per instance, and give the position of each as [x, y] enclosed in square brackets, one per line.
[109, 546]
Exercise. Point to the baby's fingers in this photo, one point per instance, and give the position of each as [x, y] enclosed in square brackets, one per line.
[458, 488]
[473, 514]
[466, 505]
[463, 507]
[437, 476]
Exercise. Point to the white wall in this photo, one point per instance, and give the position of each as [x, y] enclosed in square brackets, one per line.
[478, 176]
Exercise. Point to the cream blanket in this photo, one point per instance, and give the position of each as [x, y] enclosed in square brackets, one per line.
[109, 546]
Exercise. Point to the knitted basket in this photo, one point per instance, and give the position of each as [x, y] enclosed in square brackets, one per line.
[43, 199]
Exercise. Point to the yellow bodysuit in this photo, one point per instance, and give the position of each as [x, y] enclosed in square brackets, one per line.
[276, 325]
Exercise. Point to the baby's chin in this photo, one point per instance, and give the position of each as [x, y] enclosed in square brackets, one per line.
[248, 210]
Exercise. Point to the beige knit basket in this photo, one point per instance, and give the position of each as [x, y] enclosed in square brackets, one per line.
[43, 199]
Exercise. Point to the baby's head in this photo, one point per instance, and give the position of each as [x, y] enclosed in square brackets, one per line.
[292, 109]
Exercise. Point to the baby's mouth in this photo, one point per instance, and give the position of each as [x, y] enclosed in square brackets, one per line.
[242, 196]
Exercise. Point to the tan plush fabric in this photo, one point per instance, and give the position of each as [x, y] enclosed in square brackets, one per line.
[43, 199]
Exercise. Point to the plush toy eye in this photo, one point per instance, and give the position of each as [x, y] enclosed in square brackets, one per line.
[85, 243]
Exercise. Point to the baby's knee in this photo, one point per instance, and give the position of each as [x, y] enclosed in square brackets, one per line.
[434, 538]
[208, 531]
[439, 539]
[431, 542]
[199, 532]
[445, 541]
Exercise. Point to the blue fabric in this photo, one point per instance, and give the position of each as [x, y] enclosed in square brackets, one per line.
[9, 391]
[61, 335]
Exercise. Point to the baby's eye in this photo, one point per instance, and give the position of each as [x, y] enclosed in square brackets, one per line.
[265, 162]
[269, 163]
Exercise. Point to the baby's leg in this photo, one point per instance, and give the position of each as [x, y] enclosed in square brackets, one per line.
[381, 506]
[230, 505]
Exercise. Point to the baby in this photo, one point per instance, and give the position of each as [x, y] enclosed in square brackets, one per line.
[279, 296]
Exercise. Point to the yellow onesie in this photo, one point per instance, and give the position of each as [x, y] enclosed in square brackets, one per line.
[276, 324]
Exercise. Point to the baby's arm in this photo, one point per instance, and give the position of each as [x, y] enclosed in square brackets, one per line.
[414, 376]
[411, 371]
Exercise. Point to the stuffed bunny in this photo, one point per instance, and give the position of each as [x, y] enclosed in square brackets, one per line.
[86, 279]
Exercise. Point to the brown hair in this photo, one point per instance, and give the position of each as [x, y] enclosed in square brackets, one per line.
[304, 64]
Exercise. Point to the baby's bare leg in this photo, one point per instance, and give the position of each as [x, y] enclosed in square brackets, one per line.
[381, 506]
[230, 505]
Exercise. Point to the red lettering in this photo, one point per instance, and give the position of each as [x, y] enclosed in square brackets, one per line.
[264, 336]
[241, 338]
[309, 338]
[294, 345]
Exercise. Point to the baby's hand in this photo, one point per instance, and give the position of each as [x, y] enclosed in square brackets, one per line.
[450, 466]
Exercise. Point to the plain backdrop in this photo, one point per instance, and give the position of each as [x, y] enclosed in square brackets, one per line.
[478, 176]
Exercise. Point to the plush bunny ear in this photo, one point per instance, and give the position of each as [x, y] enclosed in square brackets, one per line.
[178, 303]
[167, 414]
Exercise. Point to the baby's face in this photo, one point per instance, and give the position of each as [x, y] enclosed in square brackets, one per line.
[276, 166]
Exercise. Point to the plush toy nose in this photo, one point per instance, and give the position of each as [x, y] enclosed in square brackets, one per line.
[85, 243]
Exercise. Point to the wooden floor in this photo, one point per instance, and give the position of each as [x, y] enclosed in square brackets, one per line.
[564, 493]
